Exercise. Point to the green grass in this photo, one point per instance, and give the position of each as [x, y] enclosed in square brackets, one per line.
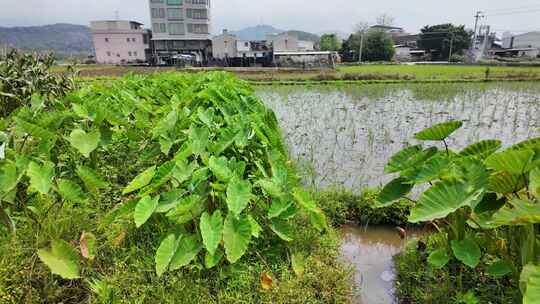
[442, 72]
[417, 282]
[124, 267]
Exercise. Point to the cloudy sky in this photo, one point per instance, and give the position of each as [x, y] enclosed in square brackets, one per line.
[309, 15]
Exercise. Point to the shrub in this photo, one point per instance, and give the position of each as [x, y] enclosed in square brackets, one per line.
[342, 206]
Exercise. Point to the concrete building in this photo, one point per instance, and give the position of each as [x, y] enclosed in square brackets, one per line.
[180, 27]
[120, 41]
[225, 45]
[526, 40]
[231, 51]
[287, 42]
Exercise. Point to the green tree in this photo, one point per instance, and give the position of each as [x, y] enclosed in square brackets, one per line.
[438, 39]
[330, 42]
[378, 46]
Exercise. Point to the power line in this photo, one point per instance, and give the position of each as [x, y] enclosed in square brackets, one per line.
[513, 13]
[514, 8]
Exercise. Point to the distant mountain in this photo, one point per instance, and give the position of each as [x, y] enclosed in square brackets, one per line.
[260, 32]
[63, 39]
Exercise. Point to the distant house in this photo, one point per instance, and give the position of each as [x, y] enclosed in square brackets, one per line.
[120, 41]
[392, 30]
[405, 53]
[527, 40]
[289, 42]
[523, 45]
[231, 51]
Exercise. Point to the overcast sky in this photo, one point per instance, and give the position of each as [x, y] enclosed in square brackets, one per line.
[309, 15]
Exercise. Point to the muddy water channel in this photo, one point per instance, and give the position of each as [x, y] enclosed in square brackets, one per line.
[344, 135]
[370, 251]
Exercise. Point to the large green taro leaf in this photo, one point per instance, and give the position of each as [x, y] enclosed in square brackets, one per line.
[220, 168]
[238, 195]
[512, 161]
[481, 149]
[41, 176]
[532, 293]
[467, 251]
[439, 258]
[400, 161]
[211, 230]
[439, 131]
[430, 170]
[237, 234]
[442, 199]
[144, 210]
[393, 191]
[517, 213]
[165, 253]
[534, 179]
[84, 142]
[504, 183]
[188, 248]
[62, 259]
[140, 180]
[91, 179]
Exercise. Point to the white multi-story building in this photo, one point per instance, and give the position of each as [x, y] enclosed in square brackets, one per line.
[180, 27]
[119, 41]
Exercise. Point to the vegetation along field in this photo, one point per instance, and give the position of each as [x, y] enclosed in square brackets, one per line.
[197, 188]
[367, 72]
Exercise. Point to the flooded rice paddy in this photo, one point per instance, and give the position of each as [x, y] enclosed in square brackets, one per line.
[344, 135]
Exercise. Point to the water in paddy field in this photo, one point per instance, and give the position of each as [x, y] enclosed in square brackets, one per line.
[344, 135]
[370, 251]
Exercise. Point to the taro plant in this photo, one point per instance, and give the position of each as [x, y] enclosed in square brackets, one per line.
[471, 193]
[25, 75]
[197, 156]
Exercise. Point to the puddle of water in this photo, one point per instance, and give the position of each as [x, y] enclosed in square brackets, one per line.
[340, 136]
[370, 251]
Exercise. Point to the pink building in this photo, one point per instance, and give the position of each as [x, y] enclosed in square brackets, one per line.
[119, 41]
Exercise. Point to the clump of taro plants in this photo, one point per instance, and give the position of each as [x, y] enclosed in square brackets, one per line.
[197, 157]
[477, 196]
[26, 80]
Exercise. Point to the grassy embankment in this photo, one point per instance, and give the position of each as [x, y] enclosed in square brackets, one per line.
[344, 73]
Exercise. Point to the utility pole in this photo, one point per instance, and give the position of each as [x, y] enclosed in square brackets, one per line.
[451, 46]
[479, 14]
[361, 47]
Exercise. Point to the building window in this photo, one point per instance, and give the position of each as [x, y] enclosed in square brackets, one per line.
[203, 2]
[197, 13]
[176, 29]
[109, 54]
[174, 13]
[158, 13]
[174, 2]
[129, 54]
[133, 40]
[135, 54]
[198, 28]
[246, 44]
[106, 39]
[127, 39]
[159, 27]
